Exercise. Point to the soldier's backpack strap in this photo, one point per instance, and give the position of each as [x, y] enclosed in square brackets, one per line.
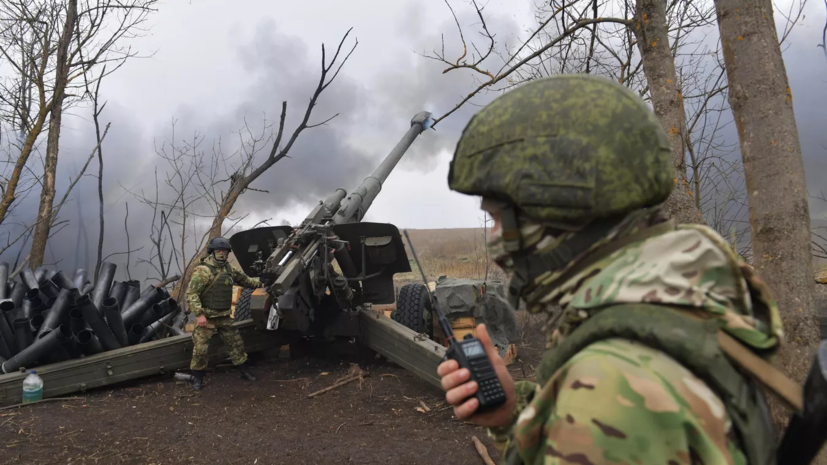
[762, 371]
[695, 344]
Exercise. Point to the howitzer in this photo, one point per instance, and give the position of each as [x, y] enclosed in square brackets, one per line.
[308, 292]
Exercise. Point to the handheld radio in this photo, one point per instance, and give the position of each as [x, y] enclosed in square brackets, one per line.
[469, 353]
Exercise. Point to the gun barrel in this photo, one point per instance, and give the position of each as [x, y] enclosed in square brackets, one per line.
[353, 208]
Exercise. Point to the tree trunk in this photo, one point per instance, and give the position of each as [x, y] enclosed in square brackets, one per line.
[10, 189]
[761, 102]
[215, 231]
[44, 214]
[659, 67]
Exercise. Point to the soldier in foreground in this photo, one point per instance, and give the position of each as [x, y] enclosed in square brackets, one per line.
[572, 168]
[209, 298]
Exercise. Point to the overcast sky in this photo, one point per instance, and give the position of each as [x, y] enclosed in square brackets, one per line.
[216, 64]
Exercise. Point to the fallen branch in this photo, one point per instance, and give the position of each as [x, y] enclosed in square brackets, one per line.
[19, 268]
[482, 451]
[360, 376]
[335, 386]
[53, 399]
[340, 427]
[167, 281]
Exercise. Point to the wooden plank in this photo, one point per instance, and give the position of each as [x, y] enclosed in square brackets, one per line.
[115, 366]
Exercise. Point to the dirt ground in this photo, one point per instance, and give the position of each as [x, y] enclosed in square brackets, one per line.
[232, 421]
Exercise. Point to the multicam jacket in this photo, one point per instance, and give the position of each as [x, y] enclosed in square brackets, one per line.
[619, 401]
[202, 278]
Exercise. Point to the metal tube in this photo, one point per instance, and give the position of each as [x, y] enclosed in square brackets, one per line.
[155, 328]
[80, 278]
[133, 293]
[76, 321]
[159, 310]
[18, 293]
[62, 281]
[8, 347]
[88, 343]
[353, 208]
[114, 320]
[118, 292]
[285, 258]
[36, 351]
[56, 355]
[40, 274]
[22, 334]
[5, 352]
[87, 289]
[30, 279]
[4, 280]
[70, 343]
[35, 323]
[164, 290]
[135, 332]
[332, 203]
[59, 313]
[135, 311]
[180, 320]
[9, 312]
[32, 306]
[48, 288]
[93, 316]
[105, 276]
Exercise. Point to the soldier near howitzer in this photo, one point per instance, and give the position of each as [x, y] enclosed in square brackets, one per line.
[209, 298]
[572, 169]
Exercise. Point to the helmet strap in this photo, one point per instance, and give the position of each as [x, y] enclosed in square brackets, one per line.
[512, 237]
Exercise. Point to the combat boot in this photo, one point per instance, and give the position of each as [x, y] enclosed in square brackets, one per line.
[199, 379]
[245, 372]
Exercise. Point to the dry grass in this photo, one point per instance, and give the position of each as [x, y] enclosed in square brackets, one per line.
[461, 253]
[457, 253]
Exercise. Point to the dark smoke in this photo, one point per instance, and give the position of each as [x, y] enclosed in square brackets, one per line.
[372, 117]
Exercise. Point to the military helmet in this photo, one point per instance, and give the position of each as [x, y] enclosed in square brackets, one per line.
[219, 243]
[565, 150]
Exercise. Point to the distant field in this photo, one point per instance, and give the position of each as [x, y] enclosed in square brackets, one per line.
[458, 253]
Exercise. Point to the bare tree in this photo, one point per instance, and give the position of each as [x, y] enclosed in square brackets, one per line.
[823, 44]
[761, 102]
[624, 40]
[200, 189]
[576, 25]
[61, 79]
[96, 111]
[48, 47]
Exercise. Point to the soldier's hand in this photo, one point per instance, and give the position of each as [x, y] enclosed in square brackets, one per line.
[201, 321]
[459, 389]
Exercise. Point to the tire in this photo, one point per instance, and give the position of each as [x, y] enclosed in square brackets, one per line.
[242, 307]
[412, 306]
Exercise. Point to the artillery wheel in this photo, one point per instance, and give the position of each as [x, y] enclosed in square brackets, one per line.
[242, 307]
[412, 307]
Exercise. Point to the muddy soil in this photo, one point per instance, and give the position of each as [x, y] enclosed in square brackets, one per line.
[232, 421]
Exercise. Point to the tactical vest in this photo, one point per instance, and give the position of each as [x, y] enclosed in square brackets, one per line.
[692, 342]
[218, 296]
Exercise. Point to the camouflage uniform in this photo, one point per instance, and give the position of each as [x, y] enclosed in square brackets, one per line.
[218, 321]
[634, 373]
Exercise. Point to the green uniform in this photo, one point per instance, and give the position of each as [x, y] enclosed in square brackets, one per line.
[210, 294]
[618, 400]
[574, 167]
